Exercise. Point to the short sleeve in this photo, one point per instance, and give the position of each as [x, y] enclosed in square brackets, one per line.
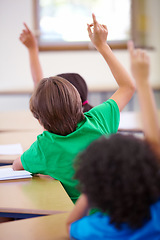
[108, 116]
[76, 230]
[33, 159]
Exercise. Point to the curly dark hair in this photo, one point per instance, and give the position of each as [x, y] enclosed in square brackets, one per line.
[121, 176]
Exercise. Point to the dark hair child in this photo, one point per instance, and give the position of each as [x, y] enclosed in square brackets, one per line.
[120, 175]
[29, 40]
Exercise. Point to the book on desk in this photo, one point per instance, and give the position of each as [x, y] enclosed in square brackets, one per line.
[9, 173]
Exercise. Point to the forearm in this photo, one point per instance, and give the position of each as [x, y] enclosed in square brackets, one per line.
[29, 40]
[148, 108]
[121, 76]
[98, 35]
[35, 66]
[79, 211]
[126, 87]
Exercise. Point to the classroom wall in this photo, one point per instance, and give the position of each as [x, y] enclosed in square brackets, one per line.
[14, 65]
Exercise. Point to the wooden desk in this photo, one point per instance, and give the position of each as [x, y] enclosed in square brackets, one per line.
[26, 138]
[39, 196]
[48, 228]
[132, 122]
[18, 121]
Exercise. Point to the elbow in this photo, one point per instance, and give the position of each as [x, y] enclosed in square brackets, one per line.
[131, 89]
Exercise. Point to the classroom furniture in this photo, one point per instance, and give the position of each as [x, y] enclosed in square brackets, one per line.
[18, 121]
[17, 91]
[49, 228]
[132, 122]
[24, 198]
[24, 121]
[25, 138]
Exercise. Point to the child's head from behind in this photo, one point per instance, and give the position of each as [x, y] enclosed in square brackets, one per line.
[57, 105]
[120, 175]
[80, 84]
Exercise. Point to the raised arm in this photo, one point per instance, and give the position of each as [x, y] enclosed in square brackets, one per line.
[98, 35]
[29, 40]
[140, 67]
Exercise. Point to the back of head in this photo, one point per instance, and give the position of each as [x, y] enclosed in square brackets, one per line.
[120, 175]
[80, 85]
[57, 105]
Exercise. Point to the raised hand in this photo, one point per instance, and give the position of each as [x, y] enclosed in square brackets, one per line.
[140, 63]
[97, 32]
[140, 66]
[28, 38]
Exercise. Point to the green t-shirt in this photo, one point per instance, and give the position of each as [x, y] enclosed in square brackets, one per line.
[53, 154]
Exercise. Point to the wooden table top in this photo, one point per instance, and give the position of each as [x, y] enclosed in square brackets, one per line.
[25, 138]
[34, 196]
[48, 227]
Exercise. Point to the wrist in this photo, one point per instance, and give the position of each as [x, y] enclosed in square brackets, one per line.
[143, 87]
[33, 49]
[142, 82]
[103, 47]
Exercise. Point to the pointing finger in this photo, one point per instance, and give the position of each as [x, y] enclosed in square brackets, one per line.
[27, 28]
[95, 23]
[131, 47]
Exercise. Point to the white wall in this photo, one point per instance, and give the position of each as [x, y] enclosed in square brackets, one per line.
[14, 66]
[13, 57]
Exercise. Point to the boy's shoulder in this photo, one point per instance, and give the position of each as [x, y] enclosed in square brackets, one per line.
[105, 106]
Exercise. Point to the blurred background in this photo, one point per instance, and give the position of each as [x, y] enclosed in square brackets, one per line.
[71, 51]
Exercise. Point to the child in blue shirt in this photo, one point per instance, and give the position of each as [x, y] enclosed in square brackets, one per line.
[120, 176]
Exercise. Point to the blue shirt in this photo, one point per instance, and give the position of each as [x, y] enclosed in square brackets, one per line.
[97, 226]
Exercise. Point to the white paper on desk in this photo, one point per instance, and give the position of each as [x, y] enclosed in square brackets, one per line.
[11, 149]
[9, 173]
